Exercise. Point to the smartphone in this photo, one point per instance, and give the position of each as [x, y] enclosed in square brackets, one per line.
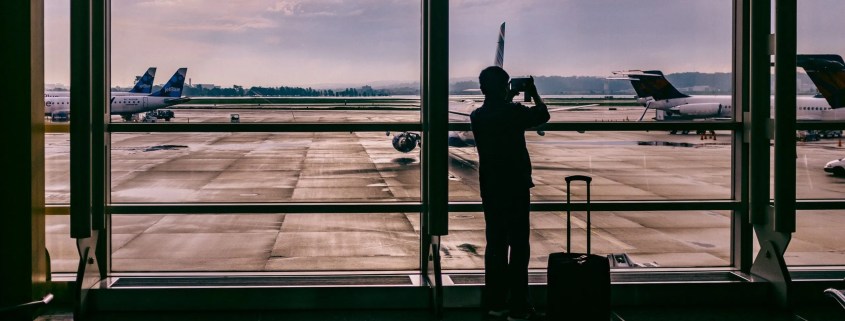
[520, 84]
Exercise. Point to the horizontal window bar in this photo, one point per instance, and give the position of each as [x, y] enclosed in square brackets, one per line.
[623, 126]
[615, 206]
[820, 205]
[227, 208]
[261, 127]
[804, 125]
[415, 207]
[56, 128]
[393, 126]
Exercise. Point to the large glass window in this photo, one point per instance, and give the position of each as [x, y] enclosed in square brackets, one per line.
[312, 71]
[61, 247]
[666, 239]
[819, 85]
[318, 102]
[818, 239]
[612, 69]
[269, 61]
[265, 242]
[261, 168]
[625, 165]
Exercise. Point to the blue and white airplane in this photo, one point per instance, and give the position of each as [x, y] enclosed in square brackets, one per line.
[143, 86]
[654, 91]
[128, 105]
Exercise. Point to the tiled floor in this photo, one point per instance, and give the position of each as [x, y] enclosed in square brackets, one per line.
[815, 313]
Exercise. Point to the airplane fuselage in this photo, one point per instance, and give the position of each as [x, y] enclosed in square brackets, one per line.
[698, 107]
[120, 104]
[51, 94]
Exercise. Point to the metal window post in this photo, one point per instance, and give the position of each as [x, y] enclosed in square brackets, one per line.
[741, 231]
[435, 122]
[774, 226]
[24, 267]
[87, 43]
[100, 151]
[785, 113]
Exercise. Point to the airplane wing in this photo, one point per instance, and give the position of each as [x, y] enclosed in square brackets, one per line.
[177, 100]
[552, 110]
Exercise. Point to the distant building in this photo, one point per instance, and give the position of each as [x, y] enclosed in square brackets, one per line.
[206, 86]
[698, 88]
[56, 86]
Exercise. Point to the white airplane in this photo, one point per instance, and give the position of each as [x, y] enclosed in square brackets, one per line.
[143, 86]
[654, 91]
[408, 141]
[128, 105]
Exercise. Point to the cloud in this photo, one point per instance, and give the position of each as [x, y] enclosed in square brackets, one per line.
[285, 7]
[161, 3]
[235, 24]
[273, 42]
[322, 8]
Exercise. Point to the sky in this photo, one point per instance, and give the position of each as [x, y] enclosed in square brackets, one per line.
[336, 43]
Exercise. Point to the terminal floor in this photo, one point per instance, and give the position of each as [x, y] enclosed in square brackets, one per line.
[829, 312]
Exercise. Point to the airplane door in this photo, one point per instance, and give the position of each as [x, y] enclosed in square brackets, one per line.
[144, 103]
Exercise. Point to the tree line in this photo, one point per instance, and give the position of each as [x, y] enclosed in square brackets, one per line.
[283, 91]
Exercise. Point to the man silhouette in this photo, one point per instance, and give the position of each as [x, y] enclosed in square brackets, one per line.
[505, 177]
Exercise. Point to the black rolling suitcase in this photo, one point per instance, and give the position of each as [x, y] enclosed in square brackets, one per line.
[578, 283]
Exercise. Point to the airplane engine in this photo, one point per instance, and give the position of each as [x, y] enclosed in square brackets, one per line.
[406, 142]
[643, 100]
[705, 110]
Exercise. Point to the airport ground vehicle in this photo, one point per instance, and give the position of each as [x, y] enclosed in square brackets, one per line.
[837, 167]
[149, 118]
[830, 133]
[163, 113]
[59, 116]
[807, 136]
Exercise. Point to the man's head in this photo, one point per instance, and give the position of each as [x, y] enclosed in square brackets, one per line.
[494, 82]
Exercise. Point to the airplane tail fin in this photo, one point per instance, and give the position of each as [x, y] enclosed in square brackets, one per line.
[828, 74]
[173, 87]
[145, 84]
[500, 47]
[650, 83]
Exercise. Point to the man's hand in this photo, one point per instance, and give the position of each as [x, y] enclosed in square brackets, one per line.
[531, 91]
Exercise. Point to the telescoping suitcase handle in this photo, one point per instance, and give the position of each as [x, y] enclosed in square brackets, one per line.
[569, 180]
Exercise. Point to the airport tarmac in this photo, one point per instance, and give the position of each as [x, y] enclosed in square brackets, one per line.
[364, 167]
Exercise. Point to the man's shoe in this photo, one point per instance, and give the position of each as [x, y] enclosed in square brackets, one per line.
[530, 315]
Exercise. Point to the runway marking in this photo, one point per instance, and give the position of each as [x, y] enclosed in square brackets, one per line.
[807, 172]
[604, 235]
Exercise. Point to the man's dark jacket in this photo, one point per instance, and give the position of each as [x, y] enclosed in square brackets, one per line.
[499, 130]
